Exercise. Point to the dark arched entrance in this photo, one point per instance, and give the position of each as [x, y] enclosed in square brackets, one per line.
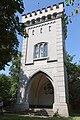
[41, 92]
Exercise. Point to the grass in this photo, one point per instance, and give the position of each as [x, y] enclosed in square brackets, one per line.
[19, 117]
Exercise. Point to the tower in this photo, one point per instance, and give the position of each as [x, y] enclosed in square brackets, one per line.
[43, 83]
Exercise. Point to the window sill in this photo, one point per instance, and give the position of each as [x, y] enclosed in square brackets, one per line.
[42, 58]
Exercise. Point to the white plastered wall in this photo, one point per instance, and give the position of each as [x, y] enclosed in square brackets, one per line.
[53, 65]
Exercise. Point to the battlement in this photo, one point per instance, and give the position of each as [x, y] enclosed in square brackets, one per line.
[46, 14]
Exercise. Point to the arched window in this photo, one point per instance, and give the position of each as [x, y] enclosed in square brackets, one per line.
[36, 53]
[45, 50]
[41, 50]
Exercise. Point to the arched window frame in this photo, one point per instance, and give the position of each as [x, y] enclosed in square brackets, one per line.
[45, 49]
[41, 50]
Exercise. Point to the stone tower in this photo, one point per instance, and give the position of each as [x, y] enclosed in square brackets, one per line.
[43, 83]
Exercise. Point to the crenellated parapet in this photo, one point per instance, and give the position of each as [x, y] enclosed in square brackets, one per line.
[46, 14]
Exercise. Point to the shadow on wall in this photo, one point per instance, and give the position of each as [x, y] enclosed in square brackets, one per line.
[23, 79]
[22, 87]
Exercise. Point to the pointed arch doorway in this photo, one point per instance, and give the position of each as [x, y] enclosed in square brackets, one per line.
[41, 91]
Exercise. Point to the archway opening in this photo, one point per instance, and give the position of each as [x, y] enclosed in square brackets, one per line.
[41, 92]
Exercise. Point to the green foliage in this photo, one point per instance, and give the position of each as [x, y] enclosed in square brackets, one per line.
[66, 0]
[19, 117]
[73, 70]
[75, 4]
[9, 84]
[49, 88]
[5, 86]
[14, 74]
[10, 26]
[64, 25]
[15, 67]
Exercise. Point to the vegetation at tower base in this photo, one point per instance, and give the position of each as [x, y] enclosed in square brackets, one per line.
[14, 74]
[10, 27]
[23, 117]
[5, 86]
[9, 84]
[73, 71]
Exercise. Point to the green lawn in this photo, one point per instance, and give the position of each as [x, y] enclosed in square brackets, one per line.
[19, 117]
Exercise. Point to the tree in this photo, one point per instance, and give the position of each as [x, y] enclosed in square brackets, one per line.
[75, 4]
[9, 84]
[73, 71]
[10, 26]
[14, 74]
[76, 8]
[5, 86]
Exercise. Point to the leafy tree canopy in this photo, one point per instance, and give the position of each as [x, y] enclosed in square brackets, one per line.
[14, 74]
[73, 71]
[5, 86]
[9, 84]
[76, 8]
[9, 27]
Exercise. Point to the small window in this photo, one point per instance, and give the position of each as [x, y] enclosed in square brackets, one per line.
[49, 16]
[57, 6]
[28, 22]
[38, 19]
[40, 50]
[40, 30]
[49, 28]
[43, 18]
[32, 32]
[33, 21]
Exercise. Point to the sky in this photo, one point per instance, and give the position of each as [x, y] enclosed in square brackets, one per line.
[73, 34]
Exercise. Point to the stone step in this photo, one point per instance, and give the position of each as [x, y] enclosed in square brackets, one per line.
[40, 112]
